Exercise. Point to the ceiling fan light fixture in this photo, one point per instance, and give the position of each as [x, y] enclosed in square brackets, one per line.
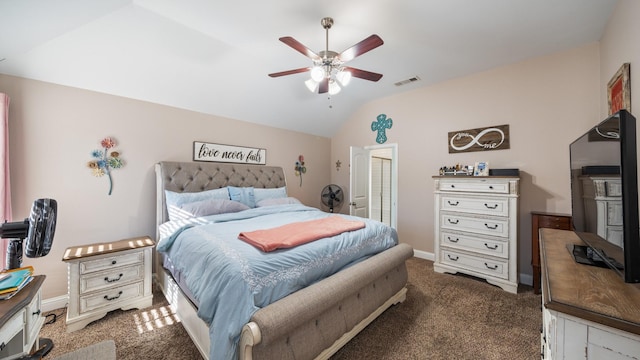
[312, 85]
[334, 88]
[344, 77]
[317, 73]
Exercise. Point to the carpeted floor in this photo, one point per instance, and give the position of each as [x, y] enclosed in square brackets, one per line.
[444, 317]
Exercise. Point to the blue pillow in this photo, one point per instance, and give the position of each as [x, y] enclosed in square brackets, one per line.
[244, 195]
[274, 193]
[176, 200]
[213, 207]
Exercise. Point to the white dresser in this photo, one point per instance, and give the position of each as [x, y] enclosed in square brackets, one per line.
[107, 276]
[476, 228]
[603, 206]
[588, 312]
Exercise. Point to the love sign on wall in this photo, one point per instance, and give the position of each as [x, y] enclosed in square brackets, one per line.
[228, 153]
[480, 139]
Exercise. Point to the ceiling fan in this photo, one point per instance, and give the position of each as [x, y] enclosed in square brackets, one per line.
[328, 66]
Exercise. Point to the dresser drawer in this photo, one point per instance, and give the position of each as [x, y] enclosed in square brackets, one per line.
[112, 297]
[496, 206]
[110, 262]
[495, 268]
[487, 226]
[479, 185]
[111, 278]
[498, 248]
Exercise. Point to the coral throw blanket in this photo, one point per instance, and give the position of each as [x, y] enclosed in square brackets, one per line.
[298, 233]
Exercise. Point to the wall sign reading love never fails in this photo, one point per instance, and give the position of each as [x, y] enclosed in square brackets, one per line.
[480, 139]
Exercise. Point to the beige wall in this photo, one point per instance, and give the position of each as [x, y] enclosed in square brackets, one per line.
[547, 103]
[53, 129]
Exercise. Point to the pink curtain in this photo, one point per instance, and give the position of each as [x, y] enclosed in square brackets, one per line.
[5, 188]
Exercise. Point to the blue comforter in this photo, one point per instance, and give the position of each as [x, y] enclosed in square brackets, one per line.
[231, 279]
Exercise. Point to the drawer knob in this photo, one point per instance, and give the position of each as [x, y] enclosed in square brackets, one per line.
[2, 346]
[494, 267]
[454, 221]
[114, 279]
[106, 297]
[491, 247]
[453, 258]
[452, 240]
[453, 186]
[491, 187]
[113, 262]
[491, 227]
[491, 207]
[36, 313]
[453, 203]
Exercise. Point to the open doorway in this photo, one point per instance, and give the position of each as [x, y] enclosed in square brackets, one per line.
[373, 183]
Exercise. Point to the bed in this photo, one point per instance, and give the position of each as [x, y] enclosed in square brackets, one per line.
[311, 322]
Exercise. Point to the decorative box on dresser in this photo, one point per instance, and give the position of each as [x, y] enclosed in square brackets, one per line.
[588, 312]
[107, 276]
[476, 227]
[543, 220]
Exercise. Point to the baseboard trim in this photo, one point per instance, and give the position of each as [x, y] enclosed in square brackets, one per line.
[55, 303]
[424, 255]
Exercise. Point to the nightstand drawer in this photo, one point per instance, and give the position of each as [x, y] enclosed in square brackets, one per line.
[110, 262]
[34, 317]
[112, 297]
[10, 329]
[554, 222]
[109, 279]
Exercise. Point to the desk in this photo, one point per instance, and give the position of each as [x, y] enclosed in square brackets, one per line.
[543, 220]
[21, 320]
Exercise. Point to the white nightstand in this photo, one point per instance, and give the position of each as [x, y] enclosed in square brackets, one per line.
[107, 276]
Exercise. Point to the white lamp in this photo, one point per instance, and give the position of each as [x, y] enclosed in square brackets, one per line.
[334, 88]
[317, 73]
[312, 85]
[344, 77]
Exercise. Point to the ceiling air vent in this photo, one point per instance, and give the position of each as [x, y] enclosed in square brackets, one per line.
[409, 80]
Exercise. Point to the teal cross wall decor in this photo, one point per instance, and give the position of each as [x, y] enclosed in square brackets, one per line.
[380, 125]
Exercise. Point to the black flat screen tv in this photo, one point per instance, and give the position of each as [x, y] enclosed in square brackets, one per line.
[604, 194]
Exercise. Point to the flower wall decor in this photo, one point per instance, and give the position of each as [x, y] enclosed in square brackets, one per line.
[104, 161]
[300, 168]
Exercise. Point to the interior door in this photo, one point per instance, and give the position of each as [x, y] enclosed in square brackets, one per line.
[359, 182]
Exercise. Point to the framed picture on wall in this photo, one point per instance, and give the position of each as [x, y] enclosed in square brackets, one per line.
[619, 90]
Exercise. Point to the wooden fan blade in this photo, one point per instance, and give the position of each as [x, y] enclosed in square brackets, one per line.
[360, 48]
[297, 46]
[290, 72]
[363, 74]
[324, 86]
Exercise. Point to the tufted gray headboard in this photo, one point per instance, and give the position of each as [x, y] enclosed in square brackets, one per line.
[199, 176]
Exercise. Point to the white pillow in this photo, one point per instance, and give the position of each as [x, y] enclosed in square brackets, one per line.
[272, 193]
[212, 207]
[175, 200]
[244, 195]
[278, 201]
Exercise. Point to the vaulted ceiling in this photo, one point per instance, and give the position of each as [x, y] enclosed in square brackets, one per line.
[214, 56]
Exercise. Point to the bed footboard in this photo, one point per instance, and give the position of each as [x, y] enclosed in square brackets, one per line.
[317, 321]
